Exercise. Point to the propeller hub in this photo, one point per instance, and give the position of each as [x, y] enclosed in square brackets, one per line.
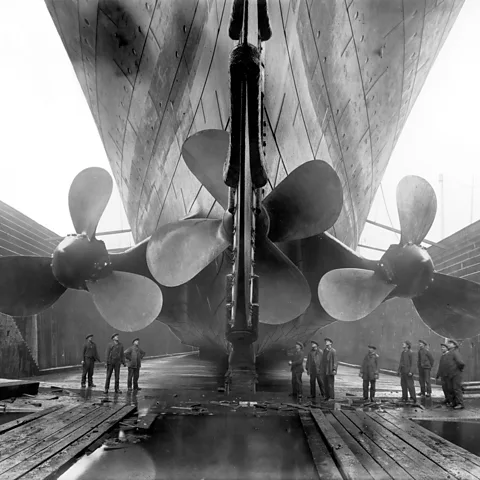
[78, 259]
[409, 267]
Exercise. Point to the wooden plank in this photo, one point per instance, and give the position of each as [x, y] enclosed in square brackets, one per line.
[388, 463]
[29, 437]
[419, 466]
[392, 449]
[295, 405]
[146, 421]
[68, 453]
[372, 467]
[349, 465]
[29, 459]
[443, 418]
[430, 453]
[13, 409]
[450, 451]
[26, 419]
[39, 427]
[324, 463]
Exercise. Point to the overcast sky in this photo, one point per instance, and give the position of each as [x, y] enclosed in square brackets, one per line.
[48, 133]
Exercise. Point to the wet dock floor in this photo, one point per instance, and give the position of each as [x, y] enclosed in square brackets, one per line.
[226, 441]
[233, 446]
[188, 376]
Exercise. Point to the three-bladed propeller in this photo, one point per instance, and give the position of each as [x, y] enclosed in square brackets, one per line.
[126, 300]
[306, 203]
[448, 305]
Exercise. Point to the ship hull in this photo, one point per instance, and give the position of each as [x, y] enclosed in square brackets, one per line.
[340, 81]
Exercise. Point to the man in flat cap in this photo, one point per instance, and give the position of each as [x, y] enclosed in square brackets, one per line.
[297, 370]
[328, 369]
[369, 371]
[90, 356]
[424, 363]
[114, 357]
[454, 366]
[314, 360]
[405, 371]
[134, 355]
[442, 374]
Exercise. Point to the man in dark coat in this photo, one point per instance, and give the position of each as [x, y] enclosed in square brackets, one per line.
[314, 360]
[114, 357]
[297, 370]
[405, 371]
[328, 368]
[89, 357]
[454, 366]
[134, 355]
[369, 371]
[424, 363]
[442, 374]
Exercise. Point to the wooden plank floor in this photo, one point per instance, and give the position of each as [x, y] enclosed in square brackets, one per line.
[37, 448]
[364, 445]
[324, 463]
[27, 418]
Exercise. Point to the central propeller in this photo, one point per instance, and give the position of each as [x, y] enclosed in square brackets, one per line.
[448, 305]
[28, 285]
[306, 203]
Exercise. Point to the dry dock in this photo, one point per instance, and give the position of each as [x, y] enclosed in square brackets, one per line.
[182, 426]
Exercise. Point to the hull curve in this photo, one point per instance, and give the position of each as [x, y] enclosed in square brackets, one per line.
[340, 81]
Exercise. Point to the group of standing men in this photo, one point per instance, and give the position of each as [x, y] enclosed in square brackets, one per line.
[425, 363]
[321, 367]
[115, 356]
[449, 372]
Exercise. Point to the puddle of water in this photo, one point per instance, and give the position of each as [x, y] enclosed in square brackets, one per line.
[235, 446]
[9, 417]
[463, 434]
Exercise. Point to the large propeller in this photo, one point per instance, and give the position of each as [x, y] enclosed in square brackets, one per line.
[126, 300]
[448, 305]
[306, 203]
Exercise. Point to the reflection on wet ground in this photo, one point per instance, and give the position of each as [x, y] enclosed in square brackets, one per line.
[9, 417]
[222, 439]
[233, 446]
[464, 434]
[176, 374]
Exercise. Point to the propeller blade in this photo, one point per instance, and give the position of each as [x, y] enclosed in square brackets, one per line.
[87, 199]
[27, 285]
[306, 203]
[127, 302]
[417, 207]
[283, 290]
[178, 251]
[205, 153]
[450, 306]
[349, 294]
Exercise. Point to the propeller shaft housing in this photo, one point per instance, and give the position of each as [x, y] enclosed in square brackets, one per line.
[77, 259]
[409, 267]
